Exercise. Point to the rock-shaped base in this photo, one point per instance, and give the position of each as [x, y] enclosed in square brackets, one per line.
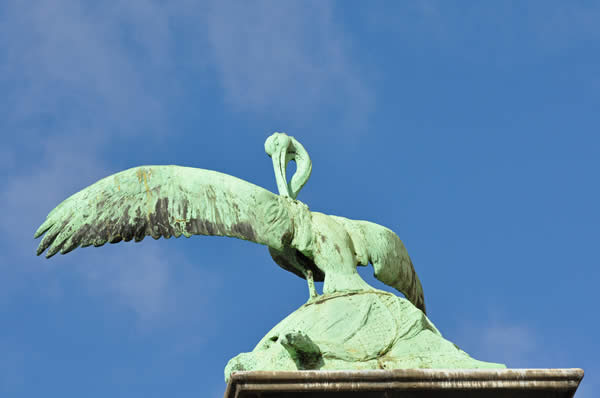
[355, 331]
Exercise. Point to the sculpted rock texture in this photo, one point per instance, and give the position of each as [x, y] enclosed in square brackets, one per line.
[355, 330]
[351, 326]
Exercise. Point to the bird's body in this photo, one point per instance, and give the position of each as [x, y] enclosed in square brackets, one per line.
[165, 201]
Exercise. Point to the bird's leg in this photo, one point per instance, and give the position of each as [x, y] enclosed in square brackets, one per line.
[312, 292]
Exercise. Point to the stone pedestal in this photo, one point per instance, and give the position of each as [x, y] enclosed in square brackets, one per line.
[406, 383]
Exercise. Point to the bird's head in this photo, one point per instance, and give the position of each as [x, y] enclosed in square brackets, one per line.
[283, 148]
[277, 143]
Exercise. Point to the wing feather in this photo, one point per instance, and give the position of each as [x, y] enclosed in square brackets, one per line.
[392, 265]
[164, 201]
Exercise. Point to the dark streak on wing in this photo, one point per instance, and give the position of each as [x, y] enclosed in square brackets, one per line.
[160, 220]
[199, 226]
[80, 235]
[244, 230]
[124, 218]
[126, 228]
[139, 225]
[51, 236]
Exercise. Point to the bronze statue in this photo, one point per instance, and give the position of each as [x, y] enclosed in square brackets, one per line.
[165, 201]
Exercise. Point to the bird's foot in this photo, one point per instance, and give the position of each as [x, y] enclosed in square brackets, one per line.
[312, 291]
[349, 282]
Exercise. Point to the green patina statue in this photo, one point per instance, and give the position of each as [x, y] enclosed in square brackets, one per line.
[350, 326]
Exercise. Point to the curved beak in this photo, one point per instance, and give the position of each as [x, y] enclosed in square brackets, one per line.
[279, 166]
[283, 148]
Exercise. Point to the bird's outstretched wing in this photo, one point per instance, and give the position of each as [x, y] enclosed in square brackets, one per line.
[165, 201]
[381, 247]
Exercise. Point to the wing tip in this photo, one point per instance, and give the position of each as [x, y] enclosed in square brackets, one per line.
[52, 250]
[40, 231]
[40, 249]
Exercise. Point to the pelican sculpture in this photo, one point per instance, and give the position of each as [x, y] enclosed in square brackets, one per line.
[165, 201]
[350, 326]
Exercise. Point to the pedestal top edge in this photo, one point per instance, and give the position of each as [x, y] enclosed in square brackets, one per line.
[533, 374]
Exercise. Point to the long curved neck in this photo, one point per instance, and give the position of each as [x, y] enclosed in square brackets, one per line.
[303, 168]
[282, 149]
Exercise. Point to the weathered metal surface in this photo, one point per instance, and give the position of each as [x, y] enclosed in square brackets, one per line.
[412, 383]
[366, 328]
[355, 330]
[165, 201]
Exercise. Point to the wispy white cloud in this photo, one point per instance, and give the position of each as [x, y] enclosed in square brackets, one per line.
[139, 277]
[517, 344]
[81, 74]
[535, 27]
[66, 64]
[286, 57]
[76, 76]
[510, 344]
[27, 195]
[102, 63]
[159, 288]
[58, 173]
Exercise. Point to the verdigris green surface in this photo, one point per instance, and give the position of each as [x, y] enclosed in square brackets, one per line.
[364, 328]
[355, 330]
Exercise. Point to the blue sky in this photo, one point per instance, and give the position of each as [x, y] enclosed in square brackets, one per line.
[471, 130]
